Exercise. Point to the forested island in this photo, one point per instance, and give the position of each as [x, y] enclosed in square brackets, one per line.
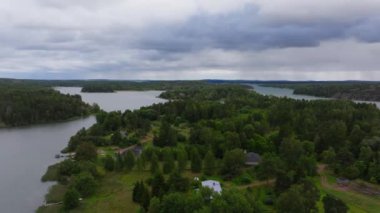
[112, 86]
[25, 104]
[364, 91]
[160, 158]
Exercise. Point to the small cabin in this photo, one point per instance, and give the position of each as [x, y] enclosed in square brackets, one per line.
[252, 159]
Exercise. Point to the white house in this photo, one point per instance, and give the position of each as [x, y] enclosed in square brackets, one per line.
[212, 184]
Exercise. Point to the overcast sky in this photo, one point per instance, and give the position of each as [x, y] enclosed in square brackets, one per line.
[190, 39]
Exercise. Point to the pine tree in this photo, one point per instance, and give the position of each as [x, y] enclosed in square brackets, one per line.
[129, 161]
[182, 159]
[332, 204]
[154, 164]
[109, 163]
[140, 163]
[158, 185]
[71, 199]
[145, 197]
[136, 194]
[141, 194]
[120, 163]
[177, 183]
[167, 136]
[169, 163]
[209, 163]
[196, 161]
[154, 205]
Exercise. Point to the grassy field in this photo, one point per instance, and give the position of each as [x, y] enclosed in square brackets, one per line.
[356, 201]
[56, 193]
[115, 192]
[51, 173]
[113, 195]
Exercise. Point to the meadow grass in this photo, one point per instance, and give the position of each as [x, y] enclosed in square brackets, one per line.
[356, 201]
[56, 193]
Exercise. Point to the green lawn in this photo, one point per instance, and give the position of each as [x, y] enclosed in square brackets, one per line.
[357, 202]
[51, 173]
[50, 209]
[114, 193]
[56, 193]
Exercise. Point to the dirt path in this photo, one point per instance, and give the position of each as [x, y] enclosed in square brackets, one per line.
[258, 183]
[321, 169]
[146, 139]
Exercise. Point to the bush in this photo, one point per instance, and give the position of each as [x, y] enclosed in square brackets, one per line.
[243, 179]
[71, 199]
[52, 173]
[181, 137]
[332, 204]
[68, 167]
[56, 193]
[85, 184]
[109, 163]
[92, 168]
[86, 151]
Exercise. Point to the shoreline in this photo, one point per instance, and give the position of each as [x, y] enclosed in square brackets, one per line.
[46, 123]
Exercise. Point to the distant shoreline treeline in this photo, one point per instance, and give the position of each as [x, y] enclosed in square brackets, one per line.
[26, 104]
[363, 91]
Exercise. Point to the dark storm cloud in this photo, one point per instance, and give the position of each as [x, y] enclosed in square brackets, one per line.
[246, 30]
[212, 38]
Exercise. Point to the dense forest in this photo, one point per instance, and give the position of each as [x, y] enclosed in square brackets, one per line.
[365, 91]
[111, 86]
[24, 104]
[204, 133]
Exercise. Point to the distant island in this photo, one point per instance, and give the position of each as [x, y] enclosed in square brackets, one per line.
[101, 88]
[112, 86]
[24, 104]
[363, 91]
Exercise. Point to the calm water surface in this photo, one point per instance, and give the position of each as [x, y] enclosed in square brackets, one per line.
[25, 153]
[120, 100]
[284, 92]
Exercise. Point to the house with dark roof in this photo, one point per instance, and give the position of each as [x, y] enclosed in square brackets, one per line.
[252, 159]
[137, 150]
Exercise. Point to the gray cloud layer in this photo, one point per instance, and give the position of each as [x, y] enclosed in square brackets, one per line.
[190, 39]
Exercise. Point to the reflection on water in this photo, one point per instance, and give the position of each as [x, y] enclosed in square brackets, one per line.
[25, 154]
[120, 100]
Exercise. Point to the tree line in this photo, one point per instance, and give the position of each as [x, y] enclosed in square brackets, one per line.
[22, 104]
[365, 91]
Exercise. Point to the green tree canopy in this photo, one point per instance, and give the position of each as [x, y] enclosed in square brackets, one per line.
[86, 151]
[233, 161]
[71, 199]
[332, 204]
